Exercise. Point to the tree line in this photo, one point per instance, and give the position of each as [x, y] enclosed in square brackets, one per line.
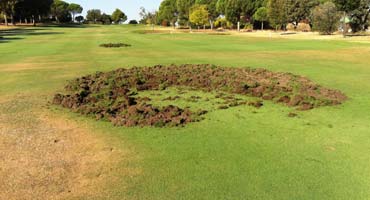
[33, 11]
[323, 15]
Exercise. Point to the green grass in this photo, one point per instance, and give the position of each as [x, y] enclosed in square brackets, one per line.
[239, 153]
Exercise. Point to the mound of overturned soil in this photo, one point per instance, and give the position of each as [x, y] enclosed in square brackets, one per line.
[111, 95]
[114, 45]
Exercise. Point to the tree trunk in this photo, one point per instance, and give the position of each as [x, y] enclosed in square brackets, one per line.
[6, 19]
[344, 25]
[262, 26]
[12, 19]
[33, 20]
[238, 26]
[211, 23]
[365, 20]
[204, 27]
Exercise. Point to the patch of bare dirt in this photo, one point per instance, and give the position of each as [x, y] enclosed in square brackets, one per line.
[44, 156]
[115, 45]
[111, 95]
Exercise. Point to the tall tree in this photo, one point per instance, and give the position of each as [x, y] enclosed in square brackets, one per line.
[277, 13]
[360, 16]
[356, 10]
[4, 9]
[347, 5]
[234, 10]
[199, 15]
[75, 9]
[325, 18]
[261, 15]
[148, 17]
[168, 11]
[183, 8]
[59, 9]
[298, 10]
[118, 16]
[33, 9]
[212, 9]
[93, 15]
[106, 19]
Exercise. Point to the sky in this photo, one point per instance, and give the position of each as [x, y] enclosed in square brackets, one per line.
[130, 7]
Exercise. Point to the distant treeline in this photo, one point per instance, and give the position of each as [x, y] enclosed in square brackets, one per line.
[34, 11]
[276, 14]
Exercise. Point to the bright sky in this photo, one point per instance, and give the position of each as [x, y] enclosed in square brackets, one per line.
[130, 7]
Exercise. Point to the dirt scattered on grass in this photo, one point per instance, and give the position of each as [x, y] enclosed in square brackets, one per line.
[291, 114]
[44, 156]
[111, 95]
[115, 45]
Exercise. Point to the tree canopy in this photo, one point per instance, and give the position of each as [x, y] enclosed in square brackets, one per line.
[118, 16]
[199, 15]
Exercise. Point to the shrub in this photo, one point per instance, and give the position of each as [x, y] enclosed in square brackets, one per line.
[165, 23]
[290, 27]
[325, 18]
[248, 27]
[133, 22]
[304, 27]
[222, 23]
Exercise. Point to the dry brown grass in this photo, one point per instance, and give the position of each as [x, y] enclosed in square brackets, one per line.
[44, 156]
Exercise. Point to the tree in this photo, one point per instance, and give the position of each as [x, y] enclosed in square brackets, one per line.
[261, 15]
[118, 16]
[4, 9]
[79, 18]
[276, 10]
[221, 6]
[75, 9]
[148, 17]
[325, 18]
[234, 10]
[298, 10]
[93, 15]
[347, 5]
[199, 15]
[183, 8]
[360, 16]
[59, 9]
[168, 11]
[106, 19]
[212, 9]
[33, 9]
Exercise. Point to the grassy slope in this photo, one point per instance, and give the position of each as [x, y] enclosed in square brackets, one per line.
[235, 153]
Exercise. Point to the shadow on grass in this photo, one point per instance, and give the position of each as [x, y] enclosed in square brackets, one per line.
[17, 33]
[7, 39]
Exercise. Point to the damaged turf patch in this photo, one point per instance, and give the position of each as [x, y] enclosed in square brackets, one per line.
[114, 45]
[114, 95]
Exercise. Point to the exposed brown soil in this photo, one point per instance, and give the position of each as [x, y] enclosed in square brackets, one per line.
[115, 45]
[45, 156]
[111, 95]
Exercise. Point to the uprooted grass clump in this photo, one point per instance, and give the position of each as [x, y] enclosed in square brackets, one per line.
[112, 95]
[114, 45]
